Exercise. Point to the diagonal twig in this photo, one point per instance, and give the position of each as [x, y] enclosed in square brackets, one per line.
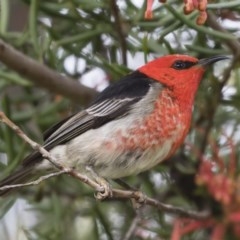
[132, 228]
[35, 182]
[46, 154]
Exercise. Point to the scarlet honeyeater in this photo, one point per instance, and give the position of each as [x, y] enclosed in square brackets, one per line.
[132, 125]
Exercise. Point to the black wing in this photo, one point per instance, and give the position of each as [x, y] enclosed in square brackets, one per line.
[114, 102]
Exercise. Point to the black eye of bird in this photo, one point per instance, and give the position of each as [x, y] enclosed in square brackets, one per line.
[180, 65]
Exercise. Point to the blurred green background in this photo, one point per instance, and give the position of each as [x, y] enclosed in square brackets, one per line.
[96, 42]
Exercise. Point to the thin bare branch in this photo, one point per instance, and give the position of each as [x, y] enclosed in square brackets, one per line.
[132, 228]
[47, 155]
[141, 197]
[35, 182]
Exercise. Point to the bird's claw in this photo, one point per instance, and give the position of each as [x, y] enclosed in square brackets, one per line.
[106, 190]
[141, 197]
[139, 200]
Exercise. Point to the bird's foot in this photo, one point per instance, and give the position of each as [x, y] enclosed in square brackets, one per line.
[139, 200]
[141, 197]
[106, 190]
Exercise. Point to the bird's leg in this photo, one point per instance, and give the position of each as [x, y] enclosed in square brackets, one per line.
[107, 191]
[138, 202]
[125, 185]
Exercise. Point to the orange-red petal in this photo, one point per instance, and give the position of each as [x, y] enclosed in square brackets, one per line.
[202, 17]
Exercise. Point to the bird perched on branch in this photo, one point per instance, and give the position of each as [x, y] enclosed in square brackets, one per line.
[132, 126]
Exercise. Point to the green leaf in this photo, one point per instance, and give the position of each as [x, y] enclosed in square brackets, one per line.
[6, 204]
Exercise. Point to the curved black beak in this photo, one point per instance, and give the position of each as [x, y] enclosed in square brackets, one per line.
[208, 61]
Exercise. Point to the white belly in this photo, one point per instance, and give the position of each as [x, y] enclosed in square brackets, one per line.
[108, 160]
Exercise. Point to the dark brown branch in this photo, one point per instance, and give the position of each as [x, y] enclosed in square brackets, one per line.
[43, 76]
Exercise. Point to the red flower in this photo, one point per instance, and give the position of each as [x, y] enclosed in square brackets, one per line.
[189, 6]
[220, 179]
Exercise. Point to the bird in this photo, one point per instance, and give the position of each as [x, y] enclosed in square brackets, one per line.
[130, 127]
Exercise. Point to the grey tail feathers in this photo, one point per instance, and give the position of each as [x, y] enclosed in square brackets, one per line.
[21, 175]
